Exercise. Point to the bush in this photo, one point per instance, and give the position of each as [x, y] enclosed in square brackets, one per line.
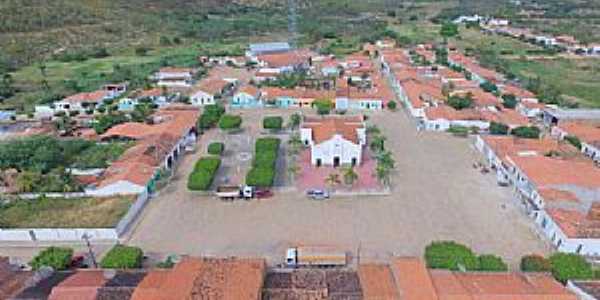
[492, 263]
[528, 132]
[263, 172]
[272, 123]
[216, 148]
[230, 122]
[450, 255]
[535, 263]
[566, 266]
[392, 105]
[573, 140]
[459, 130]
[211, 115]
[204, 173]
[459, 103]
[57, 258]
[123, 257]
[323, 106]
[488, 87]
[509, 101]
[498, 128]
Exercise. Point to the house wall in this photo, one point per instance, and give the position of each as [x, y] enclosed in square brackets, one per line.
[555, 235]
[118, 188]
[201, 98]
[245, 100]
[127, 104]
[336, 147]
[443, 124]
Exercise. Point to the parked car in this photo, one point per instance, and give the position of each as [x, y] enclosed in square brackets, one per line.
[317, 194]
[263, 193]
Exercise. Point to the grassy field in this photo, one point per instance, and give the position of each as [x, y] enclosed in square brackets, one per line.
[64, 213]
[474, 39]
[576, 79]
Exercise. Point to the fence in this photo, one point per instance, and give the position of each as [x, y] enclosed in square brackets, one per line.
[76, 234]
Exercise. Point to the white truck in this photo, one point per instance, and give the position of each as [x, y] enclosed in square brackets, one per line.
[315, 257]
[230, 192]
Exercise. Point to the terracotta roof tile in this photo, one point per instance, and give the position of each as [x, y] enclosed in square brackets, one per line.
[250, 90]
[325, 128]
[291, 58]
[412, 279]
[586, 132]
[82, 285]
[377, 282]
[547, 171]
[92, 97]
[211, 86]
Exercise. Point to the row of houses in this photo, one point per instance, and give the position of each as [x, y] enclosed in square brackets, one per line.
[158, 146]
[404, 278]
[426, 90]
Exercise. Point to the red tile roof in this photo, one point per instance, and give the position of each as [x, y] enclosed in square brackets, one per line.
[82, 285]
[154, 92]
[505, 146]
[211, 86]
[412, 279]
[176, 70]
[250, 90]
[517, 91]
[377, 282]
[586, 132]
[446, 112]
[285, 59]
[547, 171]
[205, 278]
[325, 128]
[92, 97]
[305, 93]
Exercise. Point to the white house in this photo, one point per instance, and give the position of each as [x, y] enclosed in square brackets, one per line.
[82, 101]
[207, 91]
[174, 77]
[334, 141]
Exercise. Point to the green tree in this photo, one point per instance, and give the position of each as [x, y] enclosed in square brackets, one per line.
[448, 30]
[498, 128]
[460, 102]
[535, 263]
[568, 266]
[528, 132]
[333, 180]
[450, 255]
[350, 176]
[492, 263]
[57, 258]
[323, 106]
[378, 143]
[295, 120]
[123, 257]
[509, 101]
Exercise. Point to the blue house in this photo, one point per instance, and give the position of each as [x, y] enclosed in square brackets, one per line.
[127, 104]
[247, 96]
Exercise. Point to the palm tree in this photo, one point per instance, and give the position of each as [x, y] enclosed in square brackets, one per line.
[383, 174]
[332, 180]
[386, 160]
[293, 170]
[350, 176]
[378, 143]
[295, 144]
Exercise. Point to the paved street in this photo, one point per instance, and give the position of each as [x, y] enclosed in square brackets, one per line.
[437, 195]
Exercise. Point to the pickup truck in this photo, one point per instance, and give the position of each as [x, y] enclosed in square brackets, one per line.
[230, 192]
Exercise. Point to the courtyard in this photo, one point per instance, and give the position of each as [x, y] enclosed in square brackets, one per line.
[435, 195]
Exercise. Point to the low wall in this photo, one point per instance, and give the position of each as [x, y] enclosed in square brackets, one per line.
[76, 234]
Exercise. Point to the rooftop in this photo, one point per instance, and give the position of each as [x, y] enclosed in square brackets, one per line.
[324, 129]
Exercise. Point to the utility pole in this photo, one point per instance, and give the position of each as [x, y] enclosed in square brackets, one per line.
[86, 238]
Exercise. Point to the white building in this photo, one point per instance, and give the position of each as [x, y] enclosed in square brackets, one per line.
[334, 141]
[207, 91]
[82, 101]
[174, 77]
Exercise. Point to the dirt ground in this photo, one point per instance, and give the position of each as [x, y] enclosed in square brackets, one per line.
[436, 195]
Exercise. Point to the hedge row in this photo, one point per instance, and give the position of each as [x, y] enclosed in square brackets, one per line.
[453, 256]
[204, 173]
[262, 173]
[230, 122]
[57, 258]
[564, 266]
[216, 148]
[274, 123]
[123, 257]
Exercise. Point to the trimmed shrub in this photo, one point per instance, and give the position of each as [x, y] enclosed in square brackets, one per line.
[264, 164]
[566, 266]
[492, 263]
[498, 128]
[459, 130]
[527, 132]
[535, 263]
[573, 140]
[216, 148]
[211, 115]
[230, 122]
[123, 257]
[392, 105]
[450, 255]
[57, 258]
[324, 106]
[204, 173]
[459, 103]
[272, 123]
[509, 101]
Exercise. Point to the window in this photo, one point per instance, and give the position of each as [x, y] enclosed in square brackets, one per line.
[544, 223]
[579, 248]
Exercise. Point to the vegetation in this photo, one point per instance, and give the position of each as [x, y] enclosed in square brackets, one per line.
[535, 263]
[216, 148]
[492, 263]
[106, 121]
[460, 102]
[228, 122]
[324, 106]
[295, 120]
[273, 123]
[262, 173]
[457, 130]
[46, 212]
[203, 174]
[57, 258]
[489, 87]
[392, 105]
[211, 116]
[509, 101]
[573, 140]
[123, 257]
[350, 176]
[528, 132]
[498, 128]
[570, 266]
[450, 255]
